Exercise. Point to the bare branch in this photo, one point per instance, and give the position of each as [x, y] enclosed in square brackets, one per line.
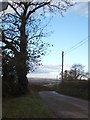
[36, 8]
[14, 9]
[9, 46]
[12, 30]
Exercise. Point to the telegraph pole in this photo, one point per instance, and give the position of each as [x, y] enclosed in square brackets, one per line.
[62, 66]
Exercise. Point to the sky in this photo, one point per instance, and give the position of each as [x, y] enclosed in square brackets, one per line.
[68, 31]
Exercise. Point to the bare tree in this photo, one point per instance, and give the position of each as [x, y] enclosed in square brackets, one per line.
[77, 70]
[23, 28]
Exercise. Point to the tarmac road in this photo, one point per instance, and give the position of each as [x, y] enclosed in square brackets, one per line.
[64, 106]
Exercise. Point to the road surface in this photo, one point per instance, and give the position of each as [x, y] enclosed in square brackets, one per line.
[64, 106]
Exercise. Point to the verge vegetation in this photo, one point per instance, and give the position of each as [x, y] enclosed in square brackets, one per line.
[31, 105]
[74, 88]
[77, 89]
[26, 106]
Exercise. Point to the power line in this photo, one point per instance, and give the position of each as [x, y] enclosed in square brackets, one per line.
[77, 45]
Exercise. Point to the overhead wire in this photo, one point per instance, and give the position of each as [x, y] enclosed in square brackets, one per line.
[80, 43]
[77, 45]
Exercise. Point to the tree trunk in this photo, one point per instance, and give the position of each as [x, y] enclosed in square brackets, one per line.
[21, 66]
[21, 73]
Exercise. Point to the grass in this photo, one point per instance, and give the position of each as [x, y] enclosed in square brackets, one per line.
[41, 87]
[77, 89]
[28, 106]
[31, 105]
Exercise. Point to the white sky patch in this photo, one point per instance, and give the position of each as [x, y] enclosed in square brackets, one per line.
[48, 71]
[81, 8]
[82, 0]
[53, 1]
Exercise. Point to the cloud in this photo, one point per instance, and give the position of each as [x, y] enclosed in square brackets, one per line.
[81, 8]
[46, 71]
[83, 0]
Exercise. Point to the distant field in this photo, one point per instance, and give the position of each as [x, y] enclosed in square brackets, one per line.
[43, 80]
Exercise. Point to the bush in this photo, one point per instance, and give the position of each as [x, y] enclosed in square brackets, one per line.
[10, 87]
[75, 88]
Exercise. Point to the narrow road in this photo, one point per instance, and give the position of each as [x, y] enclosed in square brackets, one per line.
[64, 106]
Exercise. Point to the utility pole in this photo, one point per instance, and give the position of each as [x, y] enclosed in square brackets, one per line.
[62, 66]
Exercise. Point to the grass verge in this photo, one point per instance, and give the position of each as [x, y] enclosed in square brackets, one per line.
[77, 89]
[27, 106]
